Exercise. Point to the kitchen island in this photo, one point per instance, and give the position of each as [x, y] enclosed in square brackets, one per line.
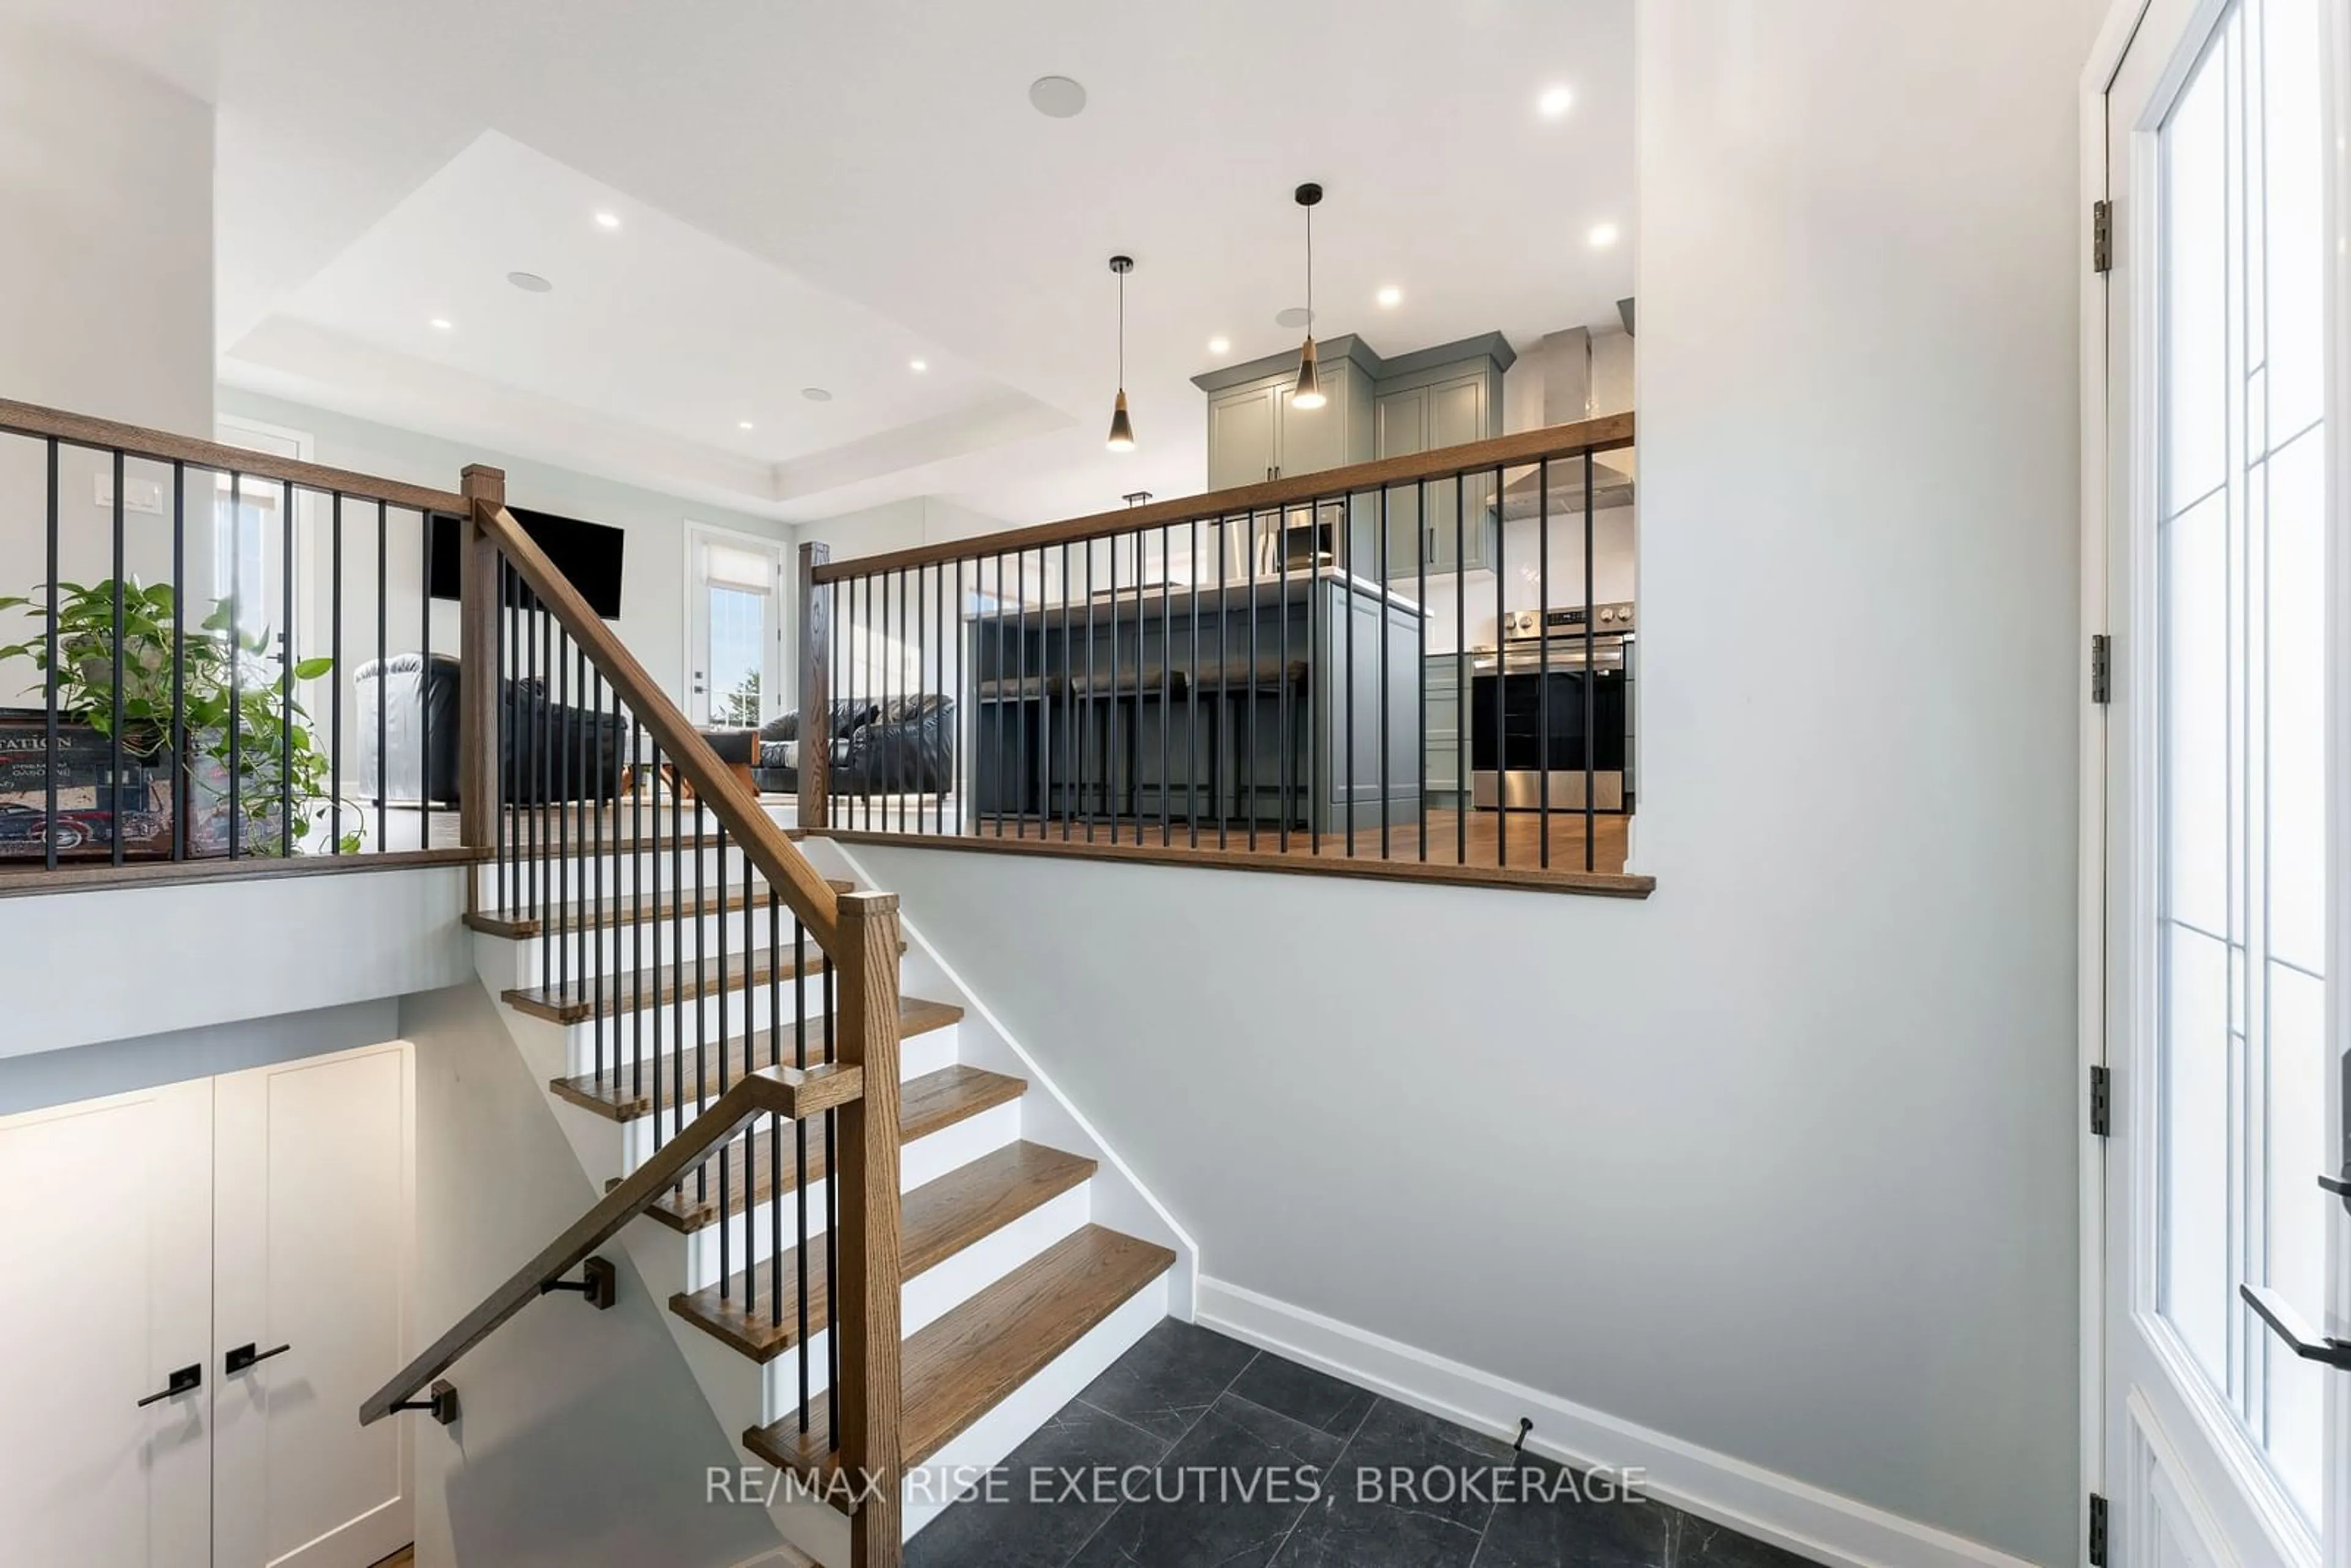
[1290, 699]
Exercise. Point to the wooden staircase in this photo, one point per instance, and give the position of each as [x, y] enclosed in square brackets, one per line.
[872, 1260]
[1008, 1272]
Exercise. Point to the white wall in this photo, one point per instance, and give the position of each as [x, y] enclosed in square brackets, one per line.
[106, 259]
[1781, 1162]
[652, 588]
[113, 963]
[582, 1440]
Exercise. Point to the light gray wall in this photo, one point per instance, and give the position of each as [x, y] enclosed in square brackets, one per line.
[653, 587]
[1781, 1162]
[583, 1437]
[121, 1066]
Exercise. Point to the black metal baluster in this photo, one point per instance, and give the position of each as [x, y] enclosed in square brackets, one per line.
[285, 666]
[1318, 781]
[1247, 753]
[382, 679]
[236, 665]
[1226, 718]
[636, 975]
[1420, 598]
[1542, 650]
[675, 980]
[751, 1065]
[424, 681]
[1192, 696]
[335, 690]
[831, 1228]
[1347, 636]
[799, 1124]
[1591, 683]
[601, 930]
[1166, 698]
[1090, 721]
[725, 1045]
[958, 774]
[775, 1130]
[542, 786]
[1501, 681]
[114, 813]
[184, 795]
[1281, 675]
[1465, 795]
[1111, 753]
[49, 682]
[948, 708]
[1020, 728]
[1385, 810]
[649, 913]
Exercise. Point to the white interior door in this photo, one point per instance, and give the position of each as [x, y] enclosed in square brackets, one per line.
[312, 1236]
[106, 1296]
[2224, 903]
[734, 628]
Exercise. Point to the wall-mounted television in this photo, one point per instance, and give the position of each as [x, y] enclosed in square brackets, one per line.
[586, 554]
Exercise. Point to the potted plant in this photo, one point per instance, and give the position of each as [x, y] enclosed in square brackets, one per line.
[247, 752]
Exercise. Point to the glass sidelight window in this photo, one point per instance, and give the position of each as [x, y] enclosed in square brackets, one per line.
[2241, 781]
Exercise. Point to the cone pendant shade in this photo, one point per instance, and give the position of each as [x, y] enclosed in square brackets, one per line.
[1122, 431]
[1308, 392]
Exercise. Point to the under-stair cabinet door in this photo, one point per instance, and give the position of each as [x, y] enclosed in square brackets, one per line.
[106, 1416]
[312, 1194]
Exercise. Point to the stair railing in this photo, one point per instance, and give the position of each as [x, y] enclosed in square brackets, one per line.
[626, 849]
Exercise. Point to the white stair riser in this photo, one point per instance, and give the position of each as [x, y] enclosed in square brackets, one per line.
[987, 1441]
[926, 1052]
[923, 1160]
[936, 1291]
[526, 881]
[630, 945]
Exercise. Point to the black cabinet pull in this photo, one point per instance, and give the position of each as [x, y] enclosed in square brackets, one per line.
[244, 1355]
[187, 1379]
[2287, 1324]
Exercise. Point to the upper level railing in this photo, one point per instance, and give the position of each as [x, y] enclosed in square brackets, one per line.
[211, 656]
[1425, 666]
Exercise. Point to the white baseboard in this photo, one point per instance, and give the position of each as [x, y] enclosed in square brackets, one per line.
[1754, 1501]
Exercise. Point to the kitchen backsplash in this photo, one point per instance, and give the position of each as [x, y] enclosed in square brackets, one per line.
[1613, 576]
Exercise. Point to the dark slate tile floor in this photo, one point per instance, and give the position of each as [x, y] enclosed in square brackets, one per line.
[1195, 1450]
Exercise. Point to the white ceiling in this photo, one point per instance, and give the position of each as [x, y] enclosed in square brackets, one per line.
[816, 194]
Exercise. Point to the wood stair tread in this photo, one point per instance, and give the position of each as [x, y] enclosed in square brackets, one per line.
[925, 1105]
[958, 1368]
[576, 1002]
[613, 1093]
[624, 909]
[937, 1220]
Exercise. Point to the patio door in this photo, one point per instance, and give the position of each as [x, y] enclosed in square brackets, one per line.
[734, 628]
[2225, 1021]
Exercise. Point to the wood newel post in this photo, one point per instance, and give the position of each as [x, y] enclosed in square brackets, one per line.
[816, 692]
[478, 657]
[865, 1295]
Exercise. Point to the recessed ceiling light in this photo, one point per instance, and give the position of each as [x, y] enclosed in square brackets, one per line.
[1554, 102]
[441, 323]
[1297, 316]
[1603, 235]
[1391, 297]
[815, 394]
[918, 366]
[607, 220]
[742, 424]
[1220, 345]
[529, 282]
[1058, 98]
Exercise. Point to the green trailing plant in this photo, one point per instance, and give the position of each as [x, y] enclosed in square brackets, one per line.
[228, 685]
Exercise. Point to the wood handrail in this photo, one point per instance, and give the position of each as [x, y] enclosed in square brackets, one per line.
[1608, 433]
[805, 893]
[782, 1091]
[162, 446]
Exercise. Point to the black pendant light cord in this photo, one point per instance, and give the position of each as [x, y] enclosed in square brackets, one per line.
[1309, 272]
[1121, 332]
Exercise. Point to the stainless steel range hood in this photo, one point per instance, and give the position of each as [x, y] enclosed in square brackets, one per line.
[1584, 376]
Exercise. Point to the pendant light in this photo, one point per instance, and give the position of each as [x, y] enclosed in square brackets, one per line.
[1308, 392]
[1122, 429]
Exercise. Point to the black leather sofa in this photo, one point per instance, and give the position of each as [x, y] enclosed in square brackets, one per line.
[904, 747]
[551, 752]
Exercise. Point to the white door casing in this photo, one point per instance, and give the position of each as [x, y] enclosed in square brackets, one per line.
[735, 626]
[2216, 487]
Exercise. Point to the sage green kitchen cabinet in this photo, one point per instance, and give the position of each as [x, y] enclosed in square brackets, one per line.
[1442, 729]
[1409, 420]
[1243, 440]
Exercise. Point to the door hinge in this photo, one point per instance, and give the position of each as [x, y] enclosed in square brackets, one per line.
[2102, 1103]
[2102, 668]
[2097, 1532]
[2102, 237]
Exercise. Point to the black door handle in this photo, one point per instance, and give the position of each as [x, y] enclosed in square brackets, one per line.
[186, 1380]
[2339, 1186]
[244, 1356]
[2286, 1323]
